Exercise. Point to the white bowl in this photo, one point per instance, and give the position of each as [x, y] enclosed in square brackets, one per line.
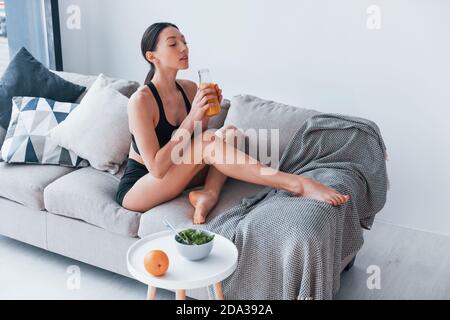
[195, 252]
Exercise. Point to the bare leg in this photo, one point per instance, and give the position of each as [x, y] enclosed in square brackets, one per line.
[204, 200]
[248, 169]
[149, 192]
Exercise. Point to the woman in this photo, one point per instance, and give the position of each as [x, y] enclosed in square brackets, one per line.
[166, 106]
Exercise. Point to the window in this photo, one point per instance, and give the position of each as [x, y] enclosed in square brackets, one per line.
[33, 24]
[4, 49]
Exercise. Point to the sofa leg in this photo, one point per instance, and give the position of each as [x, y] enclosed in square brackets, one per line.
[350, 265]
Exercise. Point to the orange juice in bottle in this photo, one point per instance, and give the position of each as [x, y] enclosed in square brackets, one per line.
[206, 82]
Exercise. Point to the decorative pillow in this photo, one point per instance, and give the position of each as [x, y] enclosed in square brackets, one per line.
[4, 113]
[97, 130]
[125, 87]
[27, 138]
[25, 76]
[250, 112]
[2, 138]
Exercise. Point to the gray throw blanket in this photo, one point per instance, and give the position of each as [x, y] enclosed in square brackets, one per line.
[292, 247]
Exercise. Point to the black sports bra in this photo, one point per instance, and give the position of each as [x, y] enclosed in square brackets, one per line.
[164, 129]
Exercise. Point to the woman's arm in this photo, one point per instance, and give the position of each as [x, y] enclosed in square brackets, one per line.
[191, 88]
[141, 111]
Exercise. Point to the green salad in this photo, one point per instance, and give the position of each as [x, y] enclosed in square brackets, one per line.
[194, 237]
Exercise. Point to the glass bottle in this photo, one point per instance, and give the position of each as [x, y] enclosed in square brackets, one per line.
[205, 81]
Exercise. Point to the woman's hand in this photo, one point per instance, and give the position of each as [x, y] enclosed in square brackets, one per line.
[200, 103]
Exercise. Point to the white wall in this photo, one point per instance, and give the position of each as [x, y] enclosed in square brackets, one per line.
[315, 54]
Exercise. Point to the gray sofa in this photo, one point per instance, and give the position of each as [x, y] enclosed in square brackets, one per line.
[72, 212]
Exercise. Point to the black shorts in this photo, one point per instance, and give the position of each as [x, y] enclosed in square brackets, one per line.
[133, 172]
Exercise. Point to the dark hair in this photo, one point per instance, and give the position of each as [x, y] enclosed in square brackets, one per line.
[149, 42]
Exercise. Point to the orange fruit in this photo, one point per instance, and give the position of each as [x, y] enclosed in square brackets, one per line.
[156, 262]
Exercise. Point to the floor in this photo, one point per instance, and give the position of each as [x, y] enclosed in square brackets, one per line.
[412, 264]
[395, 263]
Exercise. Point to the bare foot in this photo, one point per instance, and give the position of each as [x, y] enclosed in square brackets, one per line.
[310, 188]
[203, 201]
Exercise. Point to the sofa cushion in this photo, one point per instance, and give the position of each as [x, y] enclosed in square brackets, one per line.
[180, 212]
[125, 87]
[250, 112]
[5, 113]
[97, 130]
[2, 138]
[27, 138]
[26, 76]
[88, 194]
[25, 183]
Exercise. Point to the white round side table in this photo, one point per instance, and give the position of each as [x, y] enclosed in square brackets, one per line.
[183, 274]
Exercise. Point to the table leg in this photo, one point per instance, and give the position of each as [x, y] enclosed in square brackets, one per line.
[151, 293]
[181, 295]
[219, 292]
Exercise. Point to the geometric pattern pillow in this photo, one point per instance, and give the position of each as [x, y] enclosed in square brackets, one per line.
[27, 138]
